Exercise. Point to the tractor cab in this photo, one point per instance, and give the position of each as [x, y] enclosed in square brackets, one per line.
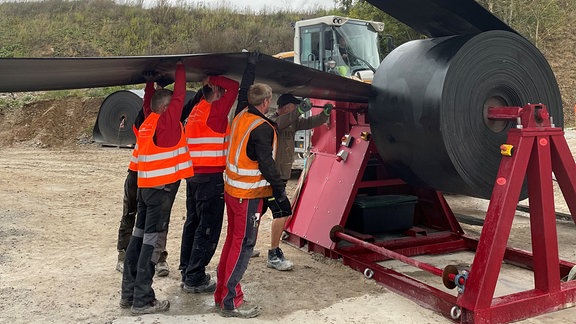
[343, 46]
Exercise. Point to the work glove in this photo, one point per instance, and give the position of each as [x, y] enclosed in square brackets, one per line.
[253, 57]
[150, 75]
[304, 106]
[328, 109]
[279, 207]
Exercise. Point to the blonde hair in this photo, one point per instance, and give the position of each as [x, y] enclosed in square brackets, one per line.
[160, 98]
[258, 92]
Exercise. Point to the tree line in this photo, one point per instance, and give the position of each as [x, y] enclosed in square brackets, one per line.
[60, 28]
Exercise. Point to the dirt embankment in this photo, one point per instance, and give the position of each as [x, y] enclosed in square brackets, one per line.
[54, 123]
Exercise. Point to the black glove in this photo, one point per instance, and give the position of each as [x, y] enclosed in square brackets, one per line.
[150, 75]
[280, 207]
[253, 57]
[164, 81]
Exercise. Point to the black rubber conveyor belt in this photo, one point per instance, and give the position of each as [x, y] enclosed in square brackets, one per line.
[430, 97]
[435, 18]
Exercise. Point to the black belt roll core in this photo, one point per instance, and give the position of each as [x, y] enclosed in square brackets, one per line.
[427, 113]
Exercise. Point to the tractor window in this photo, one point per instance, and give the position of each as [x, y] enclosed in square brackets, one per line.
[310, 47]
[357, 46]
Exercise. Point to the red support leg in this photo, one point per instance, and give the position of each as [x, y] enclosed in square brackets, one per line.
[542, 217]
[481, 282]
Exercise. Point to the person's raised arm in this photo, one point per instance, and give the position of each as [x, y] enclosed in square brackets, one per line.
[247, 80]
[148, 92]
[179, 94]
[218, 118]
[174, 111]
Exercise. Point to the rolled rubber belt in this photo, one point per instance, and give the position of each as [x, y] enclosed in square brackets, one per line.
[119, 106]
[116, 117]
[430, 98]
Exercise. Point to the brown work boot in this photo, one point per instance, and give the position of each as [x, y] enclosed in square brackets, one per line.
[162, 269]
[208, 285]
[126, 303]
[155, 306]
[245, 310]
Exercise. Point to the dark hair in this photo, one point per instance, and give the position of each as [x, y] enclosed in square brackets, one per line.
[206, 91]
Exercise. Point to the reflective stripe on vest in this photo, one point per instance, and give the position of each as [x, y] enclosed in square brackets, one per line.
[158, 166]
[207, 147]
[133, 165]
[242, 178]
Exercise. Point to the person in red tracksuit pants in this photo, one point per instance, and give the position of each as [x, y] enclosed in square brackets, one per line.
[251, 180]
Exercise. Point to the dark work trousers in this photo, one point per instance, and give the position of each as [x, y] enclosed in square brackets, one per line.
[201, 232]
[129, 209]
[243, 221]
[143, 252]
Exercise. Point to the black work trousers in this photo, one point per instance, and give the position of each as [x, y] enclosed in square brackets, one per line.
[144, 249]
[201, 232]
[129, 209]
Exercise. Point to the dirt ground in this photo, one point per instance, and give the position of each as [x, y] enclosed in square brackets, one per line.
[61, 201]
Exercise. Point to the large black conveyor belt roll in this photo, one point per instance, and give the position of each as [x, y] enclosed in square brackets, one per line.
[430, 99]
[116, 117]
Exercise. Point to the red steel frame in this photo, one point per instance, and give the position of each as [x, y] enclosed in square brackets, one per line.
[539, 148]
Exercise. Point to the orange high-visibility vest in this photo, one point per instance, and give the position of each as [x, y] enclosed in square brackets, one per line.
[133, 165]
[242, 177]
[158, 166]
[207, 147]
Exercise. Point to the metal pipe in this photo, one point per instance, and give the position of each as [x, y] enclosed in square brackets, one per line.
[391, 254]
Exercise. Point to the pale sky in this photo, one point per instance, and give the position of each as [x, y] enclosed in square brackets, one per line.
[257, 5]
[241, 5]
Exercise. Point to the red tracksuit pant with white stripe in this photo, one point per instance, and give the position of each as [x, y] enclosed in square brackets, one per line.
[243, 221]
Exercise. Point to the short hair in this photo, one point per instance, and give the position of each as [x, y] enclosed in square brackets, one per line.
[159, 99]
[258, 92]
[209, 91]
[206, 91]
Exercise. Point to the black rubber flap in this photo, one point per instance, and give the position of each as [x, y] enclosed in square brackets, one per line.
[116, 117]
[436, 18]
[430, 98]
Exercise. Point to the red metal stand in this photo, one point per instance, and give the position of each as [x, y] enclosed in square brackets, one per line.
[534, 150]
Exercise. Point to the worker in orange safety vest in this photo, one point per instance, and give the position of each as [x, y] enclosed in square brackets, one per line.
[207, 135]
[250, 180]
[163, 160]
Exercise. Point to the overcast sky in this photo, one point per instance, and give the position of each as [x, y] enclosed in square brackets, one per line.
[240, 5]
[257, 5]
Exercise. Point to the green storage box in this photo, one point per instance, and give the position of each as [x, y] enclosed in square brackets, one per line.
[381, 214]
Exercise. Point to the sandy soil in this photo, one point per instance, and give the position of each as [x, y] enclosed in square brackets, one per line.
[59, 214]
